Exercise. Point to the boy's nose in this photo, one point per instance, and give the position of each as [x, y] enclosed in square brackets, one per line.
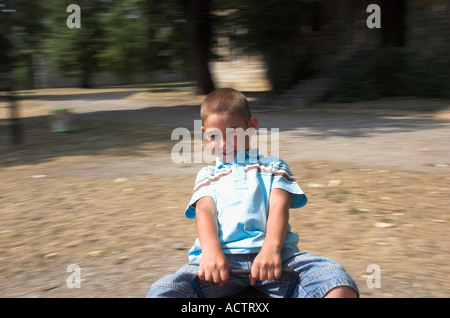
[223, 143]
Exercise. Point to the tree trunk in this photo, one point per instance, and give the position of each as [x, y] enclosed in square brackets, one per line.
[272, 57]
[393, 23]
[200, 35]
[86, 80]
[15, 122]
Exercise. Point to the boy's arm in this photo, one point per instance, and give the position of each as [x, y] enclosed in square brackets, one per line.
[213, 264]
[267, 264]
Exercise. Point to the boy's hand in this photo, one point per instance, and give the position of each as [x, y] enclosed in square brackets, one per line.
[214, 268]
[266, 266]
[213, 264]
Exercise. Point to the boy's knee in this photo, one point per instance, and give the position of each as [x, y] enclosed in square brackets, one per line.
[342, 292]
[170, 290]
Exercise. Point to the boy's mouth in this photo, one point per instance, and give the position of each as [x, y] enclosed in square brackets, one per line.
[228, 153]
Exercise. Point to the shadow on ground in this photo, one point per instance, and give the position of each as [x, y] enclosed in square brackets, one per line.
[103, 128]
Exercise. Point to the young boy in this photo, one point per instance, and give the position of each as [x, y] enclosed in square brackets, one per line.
[241, 206]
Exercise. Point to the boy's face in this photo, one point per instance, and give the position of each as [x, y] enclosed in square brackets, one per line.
[228, 134]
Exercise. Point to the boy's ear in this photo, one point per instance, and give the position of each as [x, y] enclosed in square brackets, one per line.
[253, 122]
[203, 133]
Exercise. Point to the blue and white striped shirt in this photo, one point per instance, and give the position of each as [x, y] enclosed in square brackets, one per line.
[241, 192]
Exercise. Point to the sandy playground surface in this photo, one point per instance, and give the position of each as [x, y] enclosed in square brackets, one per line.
[108, 198]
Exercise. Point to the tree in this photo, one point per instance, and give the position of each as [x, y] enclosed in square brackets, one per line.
[75, 51]
[20, 32]
[125, 33]
[273, 28]
[124, 37]
[200, 33]
[142, 36]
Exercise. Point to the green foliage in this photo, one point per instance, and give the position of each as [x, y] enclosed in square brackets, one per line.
[142, 36]
[381, 75]
[124, 34]
[116, 36]
[128, 37]
[395, 73]
[430, 77]
[266, 23]
[22, 29]
[74, 52]
[273, 28]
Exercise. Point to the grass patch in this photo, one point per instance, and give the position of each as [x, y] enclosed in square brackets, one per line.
[356, 211]
[88, 138]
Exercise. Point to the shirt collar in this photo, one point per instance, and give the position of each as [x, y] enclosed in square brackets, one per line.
[242, 157]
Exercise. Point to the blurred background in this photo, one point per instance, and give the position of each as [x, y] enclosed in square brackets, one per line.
[86, 116]
[135, 41]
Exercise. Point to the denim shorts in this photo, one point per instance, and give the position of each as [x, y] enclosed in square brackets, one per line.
[317, 276]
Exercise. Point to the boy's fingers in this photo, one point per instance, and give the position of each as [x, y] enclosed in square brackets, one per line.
[277, 272]
[201, 273]
[252, 280]
[216, 277]
[270, 274]
[224, 276]
[263, 275]
[274, 273]
[254, 275]
[208, 277]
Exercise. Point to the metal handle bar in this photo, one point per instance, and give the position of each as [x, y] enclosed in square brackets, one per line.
[246, 272]
[242, 272]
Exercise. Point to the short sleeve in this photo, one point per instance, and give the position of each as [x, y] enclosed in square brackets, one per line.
[202, 188]
[282, 178]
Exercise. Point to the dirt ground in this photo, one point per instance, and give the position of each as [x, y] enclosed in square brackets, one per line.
[108, 199]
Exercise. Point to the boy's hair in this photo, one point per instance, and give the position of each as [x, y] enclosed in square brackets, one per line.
[225, 101]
